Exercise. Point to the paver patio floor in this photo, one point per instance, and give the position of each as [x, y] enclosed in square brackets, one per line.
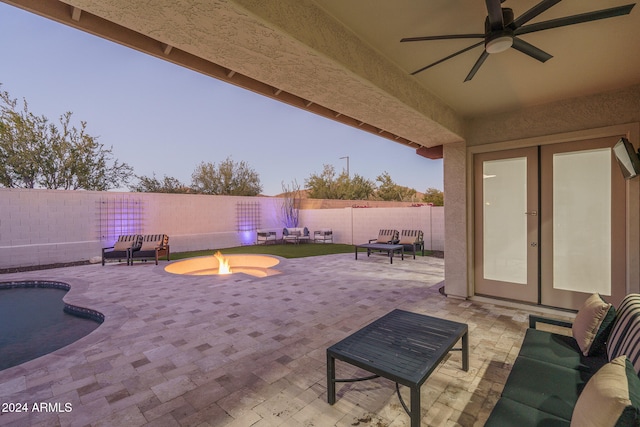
[244, 351]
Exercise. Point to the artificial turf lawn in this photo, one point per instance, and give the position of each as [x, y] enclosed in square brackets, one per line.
[281, 250]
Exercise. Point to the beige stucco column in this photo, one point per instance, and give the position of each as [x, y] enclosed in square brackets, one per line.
[455, 220]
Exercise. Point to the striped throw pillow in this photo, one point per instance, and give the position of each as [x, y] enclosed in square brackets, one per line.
[625, 336]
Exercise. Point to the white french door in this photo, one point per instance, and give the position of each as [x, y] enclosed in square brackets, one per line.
[550, 225]
[506, 224]
[582, 223]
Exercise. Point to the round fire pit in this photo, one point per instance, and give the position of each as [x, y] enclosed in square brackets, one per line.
[254, 265]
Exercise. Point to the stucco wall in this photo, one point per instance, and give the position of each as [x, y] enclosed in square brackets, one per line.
[39, 227]
[606, 109]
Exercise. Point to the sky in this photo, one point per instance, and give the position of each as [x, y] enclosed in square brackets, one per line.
[164, 119]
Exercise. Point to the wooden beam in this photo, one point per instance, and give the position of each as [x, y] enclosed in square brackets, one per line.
[432, 153]
[75, 13]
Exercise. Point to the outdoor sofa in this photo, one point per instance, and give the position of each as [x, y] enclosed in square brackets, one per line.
[122, 248]
[153, 247]
[295, 235]
[587, 379]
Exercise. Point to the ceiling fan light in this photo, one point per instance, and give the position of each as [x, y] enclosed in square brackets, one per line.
[499, 44]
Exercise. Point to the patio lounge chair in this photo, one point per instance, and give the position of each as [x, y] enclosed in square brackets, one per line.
[153, 246]
[412, 240]
[324, 235]
[122, 248]
[265, 236]
[386, 236]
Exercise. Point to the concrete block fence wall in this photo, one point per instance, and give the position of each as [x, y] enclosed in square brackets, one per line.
[40, 227]
[359, 225]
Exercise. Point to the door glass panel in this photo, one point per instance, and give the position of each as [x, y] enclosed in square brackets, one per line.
[582, 221]
[504, 220]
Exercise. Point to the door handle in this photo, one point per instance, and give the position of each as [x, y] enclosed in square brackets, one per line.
[532, 213]
[534, 244]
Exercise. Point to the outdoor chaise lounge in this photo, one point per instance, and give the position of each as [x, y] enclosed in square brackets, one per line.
[295, 235]
[122, 248]
[412, 240]
[153, 246]
[386, 236]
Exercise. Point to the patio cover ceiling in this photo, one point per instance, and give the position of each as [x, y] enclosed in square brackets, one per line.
[343, 60]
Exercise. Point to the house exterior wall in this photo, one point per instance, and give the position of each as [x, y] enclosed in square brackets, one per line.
[40, 227]
[611, 113]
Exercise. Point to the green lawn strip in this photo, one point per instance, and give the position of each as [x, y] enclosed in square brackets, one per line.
[284, 251]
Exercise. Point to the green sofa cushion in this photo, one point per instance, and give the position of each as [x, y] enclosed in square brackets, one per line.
[508, 412]
[559, 350]
[544, 386]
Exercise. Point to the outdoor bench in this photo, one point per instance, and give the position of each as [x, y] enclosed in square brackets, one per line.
[587, 379]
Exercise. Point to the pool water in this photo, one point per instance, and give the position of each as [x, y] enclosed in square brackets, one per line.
[33, 323]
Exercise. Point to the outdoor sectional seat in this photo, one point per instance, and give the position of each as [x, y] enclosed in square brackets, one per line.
[153, 246]
[589, 378]
[122, 248]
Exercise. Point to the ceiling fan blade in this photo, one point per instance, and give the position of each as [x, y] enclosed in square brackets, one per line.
[533, 12]
[451, 37]
[448, 57]
[477, 65]
[575, 19]
[531, 50]
[494, 10]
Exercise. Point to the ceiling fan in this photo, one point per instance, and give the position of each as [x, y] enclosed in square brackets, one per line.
[501, 31]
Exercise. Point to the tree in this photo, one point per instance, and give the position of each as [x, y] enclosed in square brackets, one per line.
[433, 196]
[35, 152]
[322, 186]
[152, 184]
[389, 190]
[327, 186]
[356, 188]
[228, 178]
[21, 144]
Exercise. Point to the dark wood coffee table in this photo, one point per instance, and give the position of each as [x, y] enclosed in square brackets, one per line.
[401, 346]
[387, 247]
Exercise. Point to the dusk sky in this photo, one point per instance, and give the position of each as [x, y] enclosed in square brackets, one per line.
[162, 118]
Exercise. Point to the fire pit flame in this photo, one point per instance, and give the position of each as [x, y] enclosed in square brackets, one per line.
[223, 264]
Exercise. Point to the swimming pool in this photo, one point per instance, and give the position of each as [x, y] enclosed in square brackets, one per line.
[34, 321]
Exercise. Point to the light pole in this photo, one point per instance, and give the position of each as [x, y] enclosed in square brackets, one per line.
[347, 157]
